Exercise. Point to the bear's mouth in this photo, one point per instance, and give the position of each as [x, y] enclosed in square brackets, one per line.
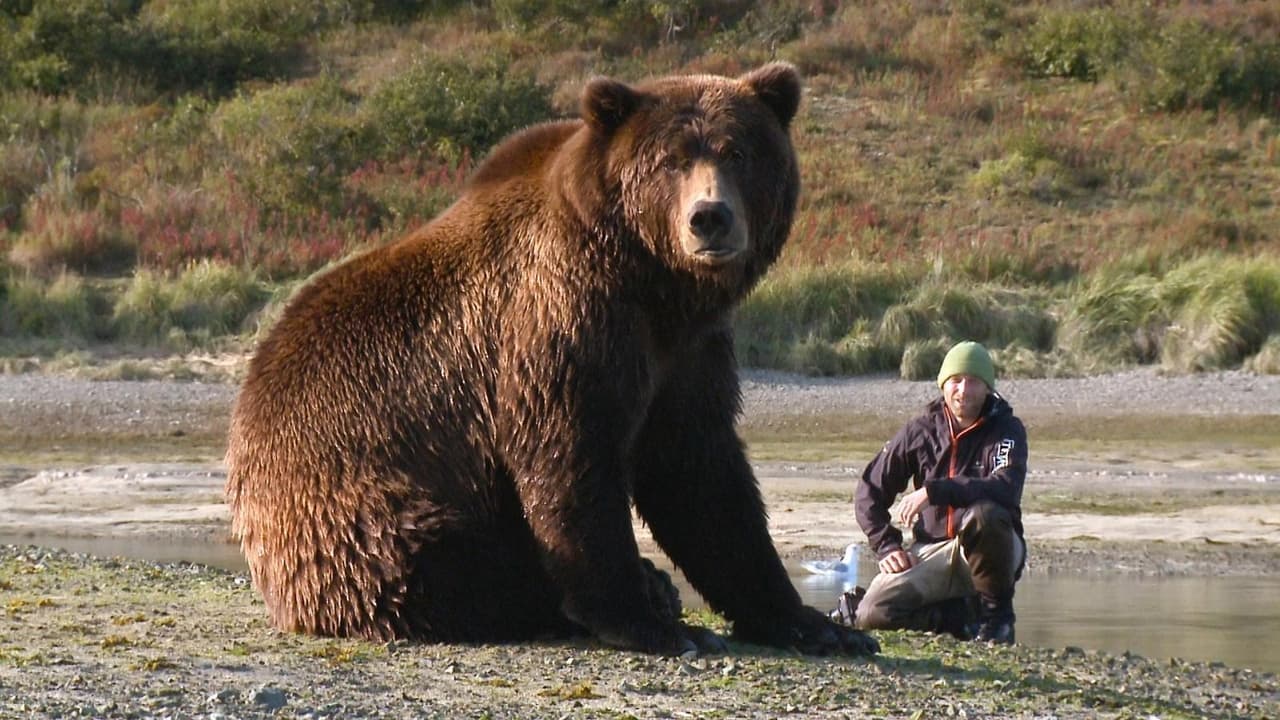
[719, 255]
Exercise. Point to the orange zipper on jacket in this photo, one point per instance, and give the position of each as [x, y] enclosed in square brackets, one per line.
[951, 468]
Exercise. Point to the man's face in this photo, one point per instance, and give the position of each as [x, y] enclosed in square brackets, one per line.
[965, 395]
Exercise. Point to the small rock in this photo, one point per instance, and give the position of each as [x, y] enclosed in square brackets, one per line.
[269, 697]
[229, 695]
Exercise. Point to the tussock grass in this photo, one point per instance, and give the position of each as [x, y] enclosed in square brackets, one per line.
[64, 308]
[810, 319]
[1267, 360]
[858, 318]
[202, 304]
[1210, 313]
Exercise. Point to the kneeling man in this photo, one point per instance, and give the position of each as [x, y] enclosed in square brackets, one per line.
[961, 465]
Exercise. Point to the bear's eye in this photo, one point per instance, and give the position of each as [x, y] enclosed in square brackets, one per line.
[675, 164]
[735, 156]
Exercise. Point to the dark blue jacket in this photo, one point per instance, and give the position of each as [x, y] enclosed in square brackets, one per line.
[987, 461]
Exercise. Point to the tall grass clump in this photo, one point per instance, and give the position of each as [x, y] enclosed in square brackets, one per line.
[927, 320]
[1267, 360]
[1113, 321]
[205, 302]
[796, 315]
[855, 319]
[65, 308]
[1222, 312]
[1210, 313]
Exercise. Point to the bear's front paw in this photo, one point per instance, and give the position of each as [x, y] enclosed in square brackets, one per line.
[666, 639]
[708, 642]
[855, 642]
[811, 633]
[816, 635]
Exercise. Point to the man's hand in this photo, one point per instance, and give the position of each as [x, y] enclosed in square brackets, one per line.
[910, 508]
[897, 561]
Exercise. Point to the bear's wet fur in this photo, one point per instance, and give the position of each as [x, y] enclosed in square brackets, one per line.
[442, 439]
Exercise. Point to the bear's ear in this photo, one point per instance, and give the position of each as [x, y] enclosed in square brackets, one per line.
[778, 86]
[607, 103]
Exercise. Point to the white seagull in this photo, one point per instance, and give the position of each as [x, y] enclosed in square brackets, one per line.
[846, 566]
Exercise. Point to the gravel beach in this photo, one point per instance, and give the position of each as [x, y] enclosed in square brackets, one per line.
[1177, 475]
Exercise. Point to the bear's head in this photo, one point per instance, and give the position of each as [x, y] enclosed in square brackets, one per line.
[700, 168]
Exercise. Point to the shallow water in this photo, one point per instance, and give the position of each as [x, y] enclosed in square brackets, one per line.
[1233, 620]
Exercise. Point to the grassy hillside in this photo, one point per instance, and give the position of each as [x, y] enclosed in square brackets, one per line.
[1082, 186]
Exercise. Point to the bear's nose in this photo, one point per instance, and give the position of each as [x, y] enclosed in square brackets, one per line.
[710, 219]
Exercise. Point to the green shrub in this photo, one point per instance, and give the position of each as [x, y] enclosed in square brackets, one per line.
[1083, 45]
[1167, 63]
[445, 107]
[21, 172]
[1191, 65]
[290, 146]
[55, 46]
[50, 45]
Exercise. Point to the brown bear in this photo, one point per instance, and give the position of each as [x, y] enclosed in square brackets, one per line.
[442, 439]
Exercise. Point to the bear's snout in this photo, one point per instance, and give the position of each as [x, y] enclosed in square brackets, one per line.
[714, 231]
[710, 220]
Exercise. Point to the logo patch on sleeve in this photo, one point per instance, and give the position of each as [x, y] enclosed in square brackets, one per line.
[1002, 454]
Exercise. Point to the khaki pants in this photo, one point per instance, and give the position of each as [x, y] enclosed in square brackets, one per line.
[985, 557]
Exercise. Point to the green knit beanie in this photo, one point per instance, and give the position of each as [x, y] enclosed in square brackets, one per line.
[968, 358]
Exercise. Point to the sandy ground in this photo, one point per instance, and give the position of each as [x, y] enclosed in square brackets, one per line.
[1137, 495]
[810, 515]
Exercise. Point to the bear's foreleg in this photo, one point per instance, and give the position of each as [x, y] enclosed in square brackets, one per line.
[696, 491]
[565, 447]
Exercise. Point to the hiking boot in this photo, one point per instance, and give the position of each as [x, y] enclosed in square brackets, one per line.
[997, 629]
[995, 619]
[847, 606]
